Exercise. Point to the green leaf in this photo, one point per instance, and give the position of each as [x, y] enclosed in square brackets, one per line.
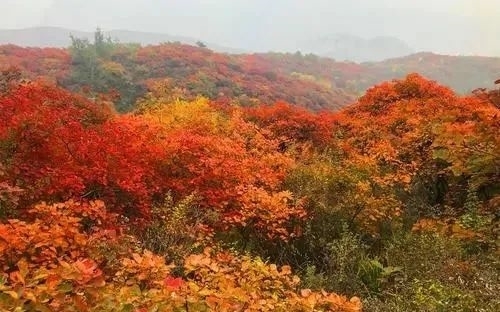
[441, 153]
[65, 288]
[128, 307]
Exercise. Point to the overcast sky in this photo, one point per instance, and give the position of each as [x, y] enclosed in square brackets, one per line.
[446, 26]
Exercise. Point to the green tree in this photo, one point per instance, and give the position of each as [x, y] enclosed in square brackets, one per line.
[201, 44]
[93, 67]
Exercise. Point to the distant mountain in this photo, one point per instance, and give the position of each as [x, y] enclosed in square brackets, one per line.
[303, 79]
[348, 47]
[60, 37]
[461, 73]
[39, 37]
[339, 46]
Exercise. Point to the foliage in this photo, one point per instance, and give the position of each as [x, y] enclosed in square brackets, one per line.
[104, 66]
[52, 234]
[8, 78]
[345, 190]
[292, 124]
[47, 267]
[52, 163]
[440, 280]
[176, 229]
[394, 199]
[309, 81]
[93, 66]
[36, 63]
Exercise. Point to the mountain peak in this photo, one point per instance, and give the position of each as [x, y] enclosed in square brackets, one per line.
[51, 36]
[344, 46]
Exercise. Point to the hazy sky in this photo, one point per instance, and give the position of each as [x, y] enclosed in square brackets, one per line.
[448, 26]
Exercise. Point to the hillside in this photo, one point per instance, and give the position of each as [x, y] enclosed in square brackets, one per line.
[190, 70]
[461, 73]
[340, 46]
[192, 204]
[309, 81]
[174, 178]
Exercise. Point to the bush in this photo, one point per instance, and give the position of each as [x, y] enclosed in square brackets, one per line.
[437, 275]
[337, 268]
[176, 229]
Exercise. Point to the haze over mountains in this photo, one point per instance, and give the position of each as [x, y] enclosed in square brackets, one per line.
[387, 38]
[60, 37]
[337, 46]
[353, 48]
[374, 28]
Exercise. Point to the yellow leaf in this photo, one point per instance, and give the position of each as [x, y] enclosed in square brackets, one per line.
[137, 258]
[11, 293]
[23, 268]
[30, 296]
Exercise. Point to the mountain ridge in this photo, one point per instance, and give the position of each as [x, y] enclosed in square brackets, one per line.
[59, 37]
[343, 46]
[337, 46]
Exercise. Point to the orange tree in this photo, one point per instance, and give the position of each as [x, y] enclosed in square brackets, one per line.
[132, 161]
[424, 141]
[57, 146]
[232, 165]
[292, 124]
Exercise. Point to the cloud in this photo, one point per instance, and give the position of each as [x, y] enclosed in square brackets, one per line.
[22, 13]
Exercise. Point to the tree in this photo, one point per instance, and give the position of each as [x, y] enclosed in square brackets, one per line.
[94, 67]
[200, 44]
[223, 159]
[87, 152]
[9, 77]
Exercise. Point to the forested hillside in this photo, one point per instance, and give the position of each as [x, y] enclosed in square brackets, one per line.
[189, 71]
[461, 73]
[309, 81]
[173, 178]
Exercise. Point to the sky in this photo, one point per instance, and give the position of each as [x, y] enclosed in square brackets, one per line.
[443, 26]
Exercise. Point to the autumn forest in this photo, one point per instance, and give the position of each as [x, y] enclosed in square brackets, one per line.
[174, 178]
